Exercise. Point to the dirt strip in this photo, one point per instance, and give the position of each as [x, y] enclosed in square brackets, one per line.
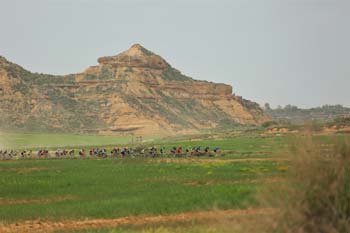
[31, 201]
[192, 160]
[49, 226]
[26, 169]
[250, 160]
[243, 181]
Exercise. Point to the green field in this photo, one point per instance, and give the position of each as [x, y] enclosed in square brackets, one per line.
[77, 189]
[39, 141]
[114, 188]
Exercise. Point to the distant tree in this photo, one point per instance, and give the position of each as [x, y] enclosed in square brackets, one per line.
[267, 106]
[290, 108]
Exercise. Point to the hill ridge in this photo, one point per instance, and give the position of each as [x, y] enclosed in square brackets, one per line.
[136, 91]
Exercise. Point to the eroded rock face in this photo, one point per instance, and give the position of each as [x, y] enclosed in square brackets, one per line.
[136, 92]
[136, 56]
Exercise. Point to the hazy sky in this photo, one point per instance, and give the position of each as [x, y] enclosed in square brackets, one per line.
[278, 51]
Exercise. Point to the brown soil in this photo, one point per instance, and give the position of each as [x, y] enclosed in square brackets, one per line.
[25, 169]
[249, 152]
[199, 160]
[31, 201]
[246, 181]
[213, 182]
[49, 226]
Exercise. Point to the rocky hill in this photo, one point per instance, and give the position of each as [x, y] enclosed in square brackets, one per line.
[136, 91]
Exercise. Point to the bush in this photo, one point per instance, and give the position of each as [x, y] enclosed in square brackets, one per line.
[269, 124]
[342, 121]
[171, 74]
[316, 196]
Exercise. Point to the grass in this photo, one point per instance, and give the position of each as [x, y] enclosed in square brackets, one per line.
[241, 144]
[315, 197]
[238, 144]
[113, 187]
[42, 140]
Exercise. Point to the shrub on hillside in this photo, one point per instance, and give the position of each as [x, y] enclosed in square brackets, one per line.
[269, 124]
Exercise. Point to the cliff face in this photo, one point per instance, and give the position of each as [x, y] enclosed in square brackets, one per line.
[136, 91]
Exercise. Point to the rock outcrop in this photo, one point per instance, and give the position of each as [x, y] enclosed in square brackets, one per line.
[136, 56]
[136, 91]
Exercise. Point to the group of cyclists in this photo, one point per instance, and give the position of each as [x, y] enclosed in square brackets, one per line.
[116, 152]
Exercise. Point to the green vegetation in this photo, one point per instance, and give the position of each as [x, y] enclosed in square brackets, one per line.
[340, 122]
[172, 74]
[40, 140]
[89, 77]
[76, 189]
[269, 124]
[146, 51]
[105, 74]
[315, 197]
[294, 115]
[113, 188]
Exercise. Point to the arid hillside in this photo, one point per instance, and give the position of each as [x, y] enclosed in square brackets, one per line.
[294, 115]
[136, 91]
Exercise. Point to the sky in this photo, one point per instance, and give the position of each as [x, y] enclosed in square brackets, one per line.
[277, 51]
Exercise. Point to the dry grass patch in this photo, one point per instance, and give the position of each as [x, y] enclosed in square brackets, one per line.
[47, 226]
[26, 169]
[243, 181]
[31, 201]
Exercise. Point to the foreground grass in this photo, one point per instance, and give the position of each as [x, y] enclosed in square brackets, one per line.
[112, 188]
[315, 197]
